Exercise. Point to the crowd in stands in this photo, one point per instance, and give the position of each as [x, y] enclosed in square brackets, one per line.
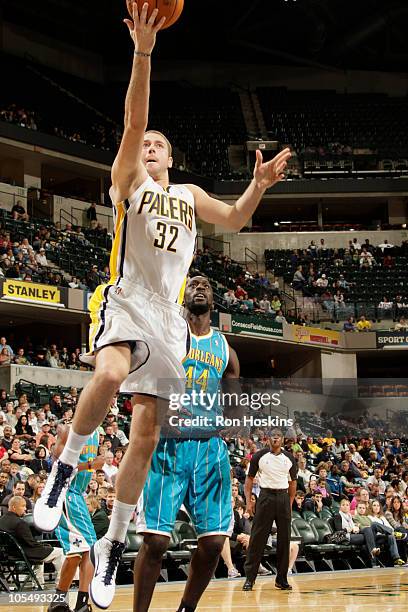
[26, 353]
[358, 478]
[46, 252]
[338, 278]
[358, 283]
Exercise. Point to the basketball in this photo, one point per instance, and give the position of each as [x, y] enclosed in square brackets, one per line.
[171, 9]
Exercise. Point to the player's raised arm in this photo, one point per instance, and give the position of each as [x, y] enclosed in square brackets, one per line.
[128, 171]
[235, 217]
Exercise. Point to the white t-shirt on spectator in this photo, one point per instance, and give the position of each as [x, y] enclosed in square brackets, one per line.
[110, 470]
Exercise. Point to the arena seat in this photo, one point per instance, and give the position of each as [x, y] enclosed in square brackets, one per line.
[14, 565]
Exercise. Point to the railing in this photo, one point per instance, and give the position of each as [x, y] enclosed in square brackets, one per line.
[108, 223]
[217, 245]
[250, 257]
[67, 217]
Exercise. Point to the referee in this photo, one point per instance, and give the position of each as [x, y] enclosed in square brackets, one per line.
[277, 475]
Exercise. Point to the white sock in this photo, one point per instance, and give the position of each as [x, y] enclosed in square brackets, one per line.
[72, 448]
[119, 521]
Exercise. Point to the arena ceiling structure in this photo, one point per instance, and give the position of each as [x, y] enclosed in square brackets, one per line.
[336, 34]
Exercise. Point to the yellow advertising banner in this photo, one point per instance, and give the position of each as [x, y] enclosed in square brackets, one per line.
[314, 335]
[31, 292]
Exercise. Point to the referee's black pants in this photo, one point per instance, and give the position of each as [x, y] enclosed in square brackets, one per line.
[272, 505]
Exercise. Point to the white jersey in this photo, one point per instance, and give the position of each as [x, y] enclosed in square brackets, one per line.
[154, 239]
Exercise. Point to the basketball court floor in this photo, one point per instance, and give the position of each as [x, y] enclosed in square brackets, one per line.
[347, 591]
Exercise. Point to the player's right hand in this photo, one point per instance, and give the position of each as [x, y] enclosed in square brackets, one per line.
[142, 30]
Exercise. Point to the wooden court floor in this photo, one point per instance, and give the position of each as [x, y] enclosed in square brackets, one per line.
[348, 591]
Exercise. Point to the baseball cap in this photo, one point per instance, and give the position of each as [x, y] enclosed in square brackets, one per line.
[45, 423]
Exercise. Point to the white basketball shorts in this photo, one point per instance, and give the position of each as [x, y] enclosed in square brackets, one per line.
[155, 329]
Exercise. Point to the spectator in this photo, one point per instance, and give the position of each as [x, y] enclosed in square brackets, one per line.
[303, 473]
[276, 304]
[385, 245]
[402, 325]
[38, 489]
[19, 212]
[20, 358]
[349, 325]
[8, 437]
[41, 258]
[322, 282]
[37, 552]
[56, 405]
[366, 258]
[16, 455]
[265, 305]
[110, 498]
[4, 488]
[99, 517]
[108, 468]
[40, 461]
[344, 521]
[91, 213]
[53, 359]
[362, 519]
[46, 433]
[24, 431]
[280, 317]
[298, 503]
[314, 503]
[19, 490]
[5, 357]
[299, 281]
[363, 325]
[395, 516]
[119, 434]
[229, 298]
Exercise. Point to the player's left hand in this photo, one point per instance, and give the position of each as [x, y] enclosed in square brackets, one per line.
[267, 174]
[98, 462]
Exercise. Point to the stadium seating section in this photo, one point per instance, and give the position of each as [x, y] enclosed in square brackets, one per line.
[367, 286]
[322, 124]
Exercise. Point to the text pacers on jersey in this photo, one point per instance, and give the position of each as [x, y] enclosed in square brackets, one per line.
[168, 207]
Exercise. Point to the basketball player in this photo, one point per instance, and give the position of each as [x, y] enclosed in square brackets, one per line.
[193, 469]
[75, 531]
[138, 335]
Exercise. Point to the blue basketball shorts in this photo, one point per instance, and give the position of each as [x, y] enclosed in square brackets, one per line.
[75, 531]
[195, 473]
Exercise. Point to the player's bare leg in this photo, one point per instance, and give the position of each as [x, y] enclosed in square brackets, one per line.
[227, 558]
[111, 369]
[106, 554]
[202, 567]
[67, 575]
[147, 568]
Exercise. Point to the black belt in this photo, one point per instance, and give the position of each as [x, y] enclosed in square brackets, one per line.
[274, 490]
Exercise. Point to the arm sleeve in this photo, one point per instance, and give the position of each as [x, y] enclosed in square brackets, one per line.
[293, 472]
[254, 465]
[24, 535]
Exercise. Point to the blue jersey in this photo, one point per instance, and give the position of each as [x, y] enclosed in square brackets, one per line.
[88, 453]
[205, 365]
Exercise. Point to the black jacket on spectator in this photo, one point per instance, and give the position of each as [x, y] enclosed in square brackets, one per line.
[40, 464]
[308, 504]
[114, 440]
[101, 522]
[241, 525]
[35, 551]
[3, 493]
[336, 522]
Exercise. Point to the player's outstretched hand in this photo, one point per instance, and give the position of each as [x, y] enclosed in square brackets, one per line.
[267, 174]
[142, 30]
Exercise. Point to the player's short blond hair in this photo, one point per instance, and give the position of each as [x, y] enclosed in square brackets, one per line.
[168, 143]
